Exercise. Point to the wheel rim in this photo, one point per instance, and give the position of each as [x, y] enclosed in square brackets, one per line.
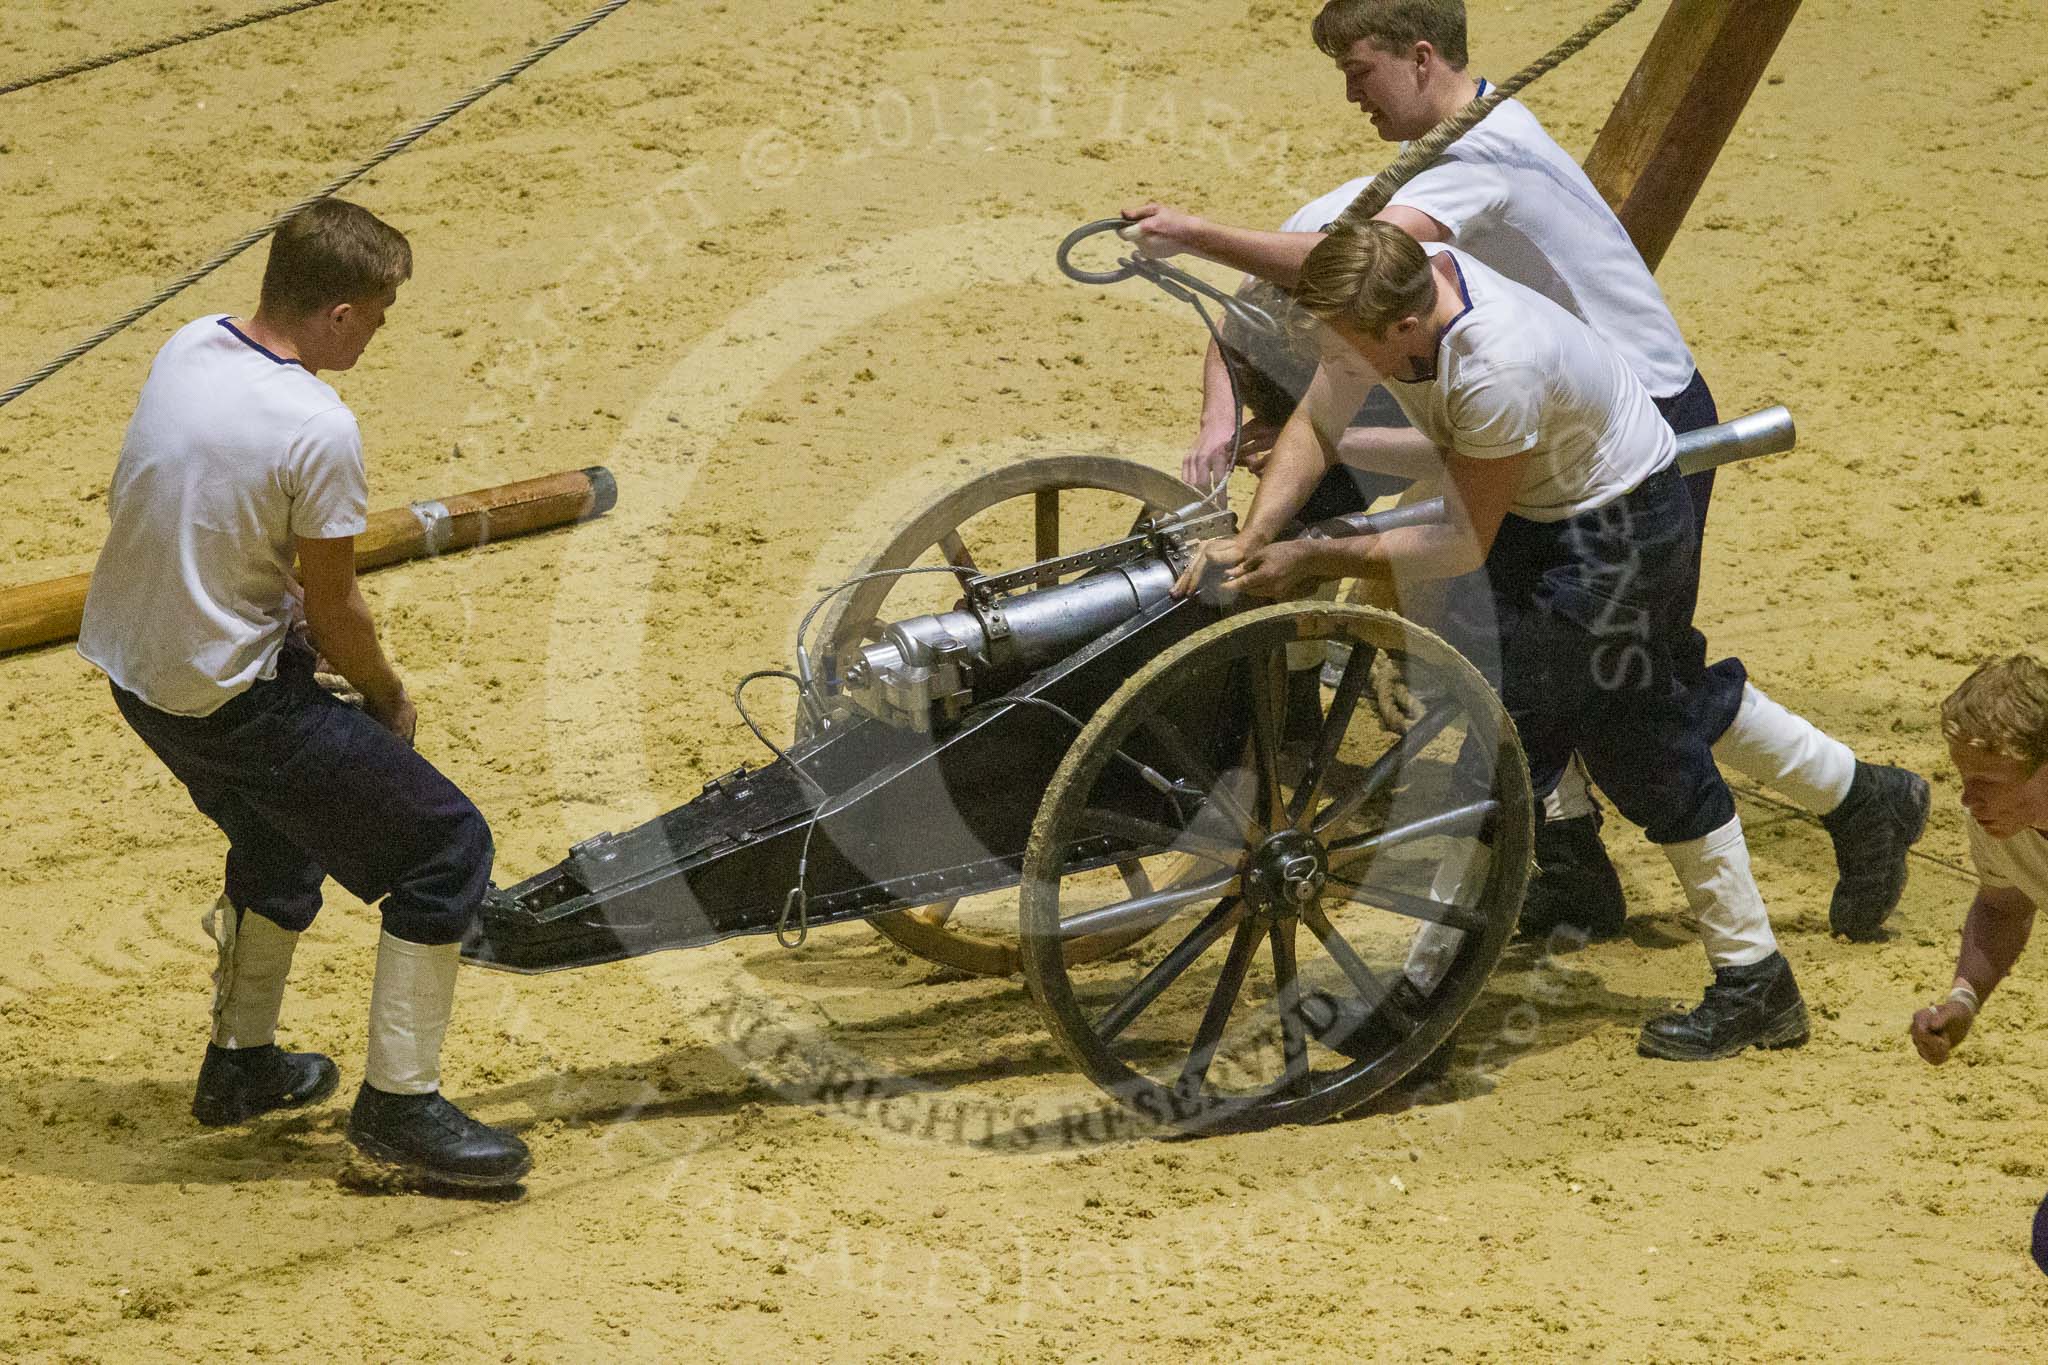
[982, 942]
[1357, 887]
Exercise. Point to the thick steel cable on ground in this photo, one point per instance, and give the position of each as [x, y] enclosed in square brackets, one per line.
[389, 150]
[1425, 149]
[158, 45]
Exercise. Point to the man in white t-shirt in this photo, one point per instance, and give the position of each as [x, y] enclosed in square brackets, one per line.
[234, 506]
[1996, 724]
[1564, 488]
[1509, 195]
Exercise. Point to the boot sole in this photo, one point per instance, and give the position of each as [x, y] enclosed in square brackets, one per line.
[379, 1166]
[1788, 1029]
[228, 1115]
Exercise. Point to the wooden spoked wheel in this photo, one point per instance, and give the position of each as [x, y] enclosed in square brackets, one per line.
[1351, 885]
[1003, 520]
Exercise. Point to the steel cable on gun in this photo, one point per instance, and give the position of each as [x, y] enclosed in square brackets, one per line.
[389, 150]
[159, 44]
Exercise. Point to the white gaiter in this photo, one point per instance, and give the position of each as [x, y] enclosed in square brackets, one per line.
[1714, 870]
[253, 956]
[411, 999]
[1768, 744]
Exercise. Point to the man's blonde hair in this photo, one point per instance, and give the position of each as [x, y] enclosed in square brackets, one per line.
[2002, 708]
[1367, 276]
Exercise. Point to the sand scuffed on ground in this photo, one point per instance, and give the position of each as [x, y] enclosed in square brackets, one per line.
[786, 269]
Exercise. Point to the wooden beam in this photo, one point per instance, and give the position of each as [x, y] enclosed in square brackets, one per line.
[48, 613]
[1678, 109]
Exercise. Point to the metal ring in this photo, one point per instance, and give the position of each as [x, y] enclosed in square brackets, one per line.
[1073, 238]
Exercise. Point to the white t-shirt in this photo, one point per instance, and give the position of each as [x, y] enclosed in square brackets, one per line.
[1512, 197]
[232, 453]
[2020, 862]
[1515, 373]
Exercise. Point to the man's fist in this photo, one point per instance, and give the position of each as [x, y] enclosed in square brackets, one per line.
[1939, 1029]
[1159, 231]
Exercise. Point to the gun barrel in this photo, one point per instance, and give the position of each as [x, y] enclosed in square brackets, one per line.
[1769, 431]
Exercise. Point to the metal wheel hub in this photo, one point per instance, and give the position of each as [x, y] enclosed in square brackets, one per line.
[1285, 874]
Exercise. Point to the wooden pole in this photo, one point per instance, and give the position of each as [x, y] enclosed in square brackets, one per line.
[1678, 108]
[48, 612]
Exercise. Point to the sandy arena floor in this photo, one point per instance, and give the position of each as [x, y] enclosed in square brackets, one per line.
[786, 269]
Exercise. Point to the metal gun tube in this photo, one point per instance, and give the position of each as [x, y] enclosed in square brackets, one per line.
[1767, 432]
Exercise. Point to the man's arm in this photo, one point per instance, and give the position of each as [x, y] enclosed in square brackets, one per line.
[1994, 935]
[1401, 451]
[1485, 489]
[1207, 462]
[339, 621]
[1160, 230]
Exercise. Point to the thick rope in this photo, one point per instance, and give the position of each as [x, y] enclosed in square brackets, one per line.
[143, 50]
[390, 149]
[1425, 149]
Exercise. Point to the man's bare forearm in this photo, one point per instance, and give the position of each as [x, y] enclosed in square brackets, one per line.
[346, 635]
[1296, 465]
[1994, 936]
[1275, 256]
[1412, 552]
[1400, 451]
[1219, 403]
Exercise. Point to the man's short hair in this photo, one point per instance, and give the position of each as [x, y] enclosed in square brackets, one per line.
[1367, 276]
[1393, 26]
[332, 252]
[2002, 708]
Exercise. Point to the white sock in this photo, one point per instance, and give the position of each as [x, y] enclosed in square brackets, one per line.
[1786, 753]
[411, 998]
[1714, 870]
[1569, 799]
[252, 960]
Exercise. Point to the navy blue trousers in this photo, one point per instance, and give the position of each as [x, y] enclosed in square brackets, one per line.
[307, 787]
[1716, 689]
[1592, 616]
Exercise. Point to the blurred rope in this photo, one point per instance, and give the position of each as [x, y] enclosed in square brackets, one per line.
[347, 178]
[144, 49]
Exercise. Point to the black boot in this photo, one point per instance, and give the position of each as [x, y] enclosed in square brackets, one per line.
[1880, 818]
[425, 1136]
[236, 1084]
[1753, 1006]
[1575, 886]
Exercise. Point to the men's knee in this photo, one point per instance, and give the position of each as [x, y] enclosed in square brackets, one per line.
[436, 900]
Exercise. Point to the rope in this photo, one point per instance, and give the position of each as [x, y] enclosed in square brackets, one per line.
[1425, 149]
[390, 149]
[144, 49]
[1750, 792]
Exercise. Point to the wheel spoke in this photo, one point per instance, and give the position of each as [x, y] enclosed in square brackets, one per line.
[1384, 768]
[955, 551]
[1377, 995]
[936, 914]
[1168, 969]
[1287, 999]
[1216, 1017]
[1156, 836]
[1461, 820]
[1195, 771]
[1269, 698]
[1148, 910]
[1046, 528]
[1413, 906]
[1343, 705]
[1137, 880]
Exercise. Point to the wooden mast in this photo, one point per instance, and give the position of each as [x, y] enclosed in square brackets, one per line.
[1678, 108]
